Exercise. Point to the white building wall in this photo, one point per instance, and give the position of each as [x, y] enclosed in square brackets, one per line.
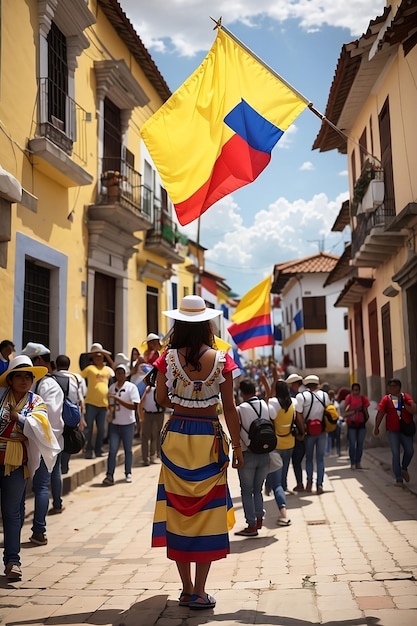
[335, 336]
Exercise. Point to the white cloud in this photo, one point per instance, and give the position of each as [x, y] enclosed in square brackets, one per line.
[344, 173]
[183, 25]
[284, 231]
[307, 166]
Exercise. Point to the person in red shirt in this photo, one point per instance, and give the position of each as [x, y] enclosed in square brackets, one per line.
[398, 409]
[356, 415]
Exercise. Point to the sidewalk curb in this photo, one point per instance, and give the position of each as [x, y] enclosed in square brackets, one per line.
[85, 471]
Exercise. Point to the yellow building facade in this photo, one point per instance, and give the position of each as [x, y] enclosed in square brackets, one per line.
[89, 250]
[373, 98]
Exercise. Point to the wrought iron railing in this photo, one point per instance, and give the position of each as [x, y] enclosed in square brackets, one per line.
[62, 120]
[119, 182]
[365, 222]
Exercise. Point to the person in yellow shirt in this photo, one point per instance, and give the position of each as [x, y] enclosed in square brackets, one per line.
[98, 376]
[282, 412]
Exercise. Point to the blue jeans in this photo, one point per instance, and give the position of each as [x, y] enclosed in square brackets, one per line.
[251, 478]
[397, 439]
[286, 456]
[117, 434]
[40, 487]
[95, 414]
[317, 442]
[356, 437]
[333, 440]
[56, 483]
[12, 492]
[274, 482]
[297, 459]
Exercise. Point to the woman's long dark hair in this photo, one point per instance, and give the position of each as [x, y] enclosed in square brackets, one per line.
[283, 394]
[191, 336]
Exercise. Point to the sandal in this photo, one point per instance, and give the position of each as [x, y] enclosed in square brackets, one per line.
[184, 599]
[199, 602]
[283, 522]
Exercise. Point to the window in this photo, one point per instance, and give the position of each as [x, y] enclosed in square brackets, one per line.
[345, 322]
[104, 310]
[112, 146]
[346, 359]
[314, 313]
[363, 147]
[57, 77]
[152, 297]
[315, 355]
[174, 294]
[36, 304]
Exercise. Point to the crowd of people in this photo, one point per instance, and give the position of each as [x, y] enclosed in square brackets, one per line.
[32, 427]
[172, 399]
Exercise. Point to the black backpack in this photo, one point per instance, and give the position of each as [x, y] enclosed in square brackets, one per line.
[262, 437]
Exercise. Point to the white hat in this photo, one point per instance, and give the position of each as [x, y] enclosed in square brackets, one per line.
[122, 366]
[121, 358]
[192, 309]
[293, 378]
[23, 364]
[32, 350]
[152, 337]
[311, 379]
[97, 347]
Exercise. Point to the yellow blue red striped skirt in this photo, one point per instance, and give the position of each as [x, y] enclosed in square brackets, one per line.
[194, 510]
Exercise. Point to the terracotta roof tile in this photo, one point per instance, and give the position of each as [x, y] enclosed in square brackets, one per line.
[322, 262]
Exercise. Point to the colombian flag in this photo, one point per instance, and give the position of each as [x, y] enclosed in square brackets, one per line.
[252, 318]
[215, 134]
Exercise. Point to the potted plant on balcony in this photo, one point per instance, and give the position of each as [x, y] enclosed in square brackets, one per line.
[370, 171]
[111, 180]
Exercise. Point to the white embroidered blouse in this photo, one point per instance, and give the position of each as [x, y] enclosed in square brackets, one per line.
[194, 393]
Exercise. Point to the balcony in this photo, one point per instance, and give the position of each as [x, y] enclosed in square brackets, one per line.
[164, 238]
[59, 148]
[373, 241]
[119, 200]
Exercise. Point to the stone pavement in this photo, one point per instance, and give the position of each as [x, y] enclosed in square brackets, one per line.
[349, 558]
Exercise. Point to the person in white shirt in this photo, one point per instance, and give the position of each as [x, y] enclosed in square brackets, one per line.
[310, 407]
[123, 402]
[255, 470]
[151, 419]
[53, 396]
[76, 393]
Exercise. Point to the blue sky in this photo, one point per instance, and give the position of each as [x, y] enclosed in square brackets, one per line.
[289, 210]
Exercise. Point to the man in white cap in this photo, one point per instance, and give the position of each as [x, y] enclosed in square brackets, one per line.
[98, 376]
[295, 383]
[53, 396]
[310, 407]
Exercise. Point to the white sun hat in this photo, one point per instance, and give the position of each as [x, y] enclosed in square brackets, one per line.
[311, 379]
[192, 309]
[23, 363]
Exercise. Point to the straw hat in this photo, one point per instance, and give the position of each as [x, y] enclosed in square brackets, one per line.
[152, 337]
[23, 364]
[97, 347]
[32, 350]
[192, 309]
[121, 358]
[311, 379]
[293, 378]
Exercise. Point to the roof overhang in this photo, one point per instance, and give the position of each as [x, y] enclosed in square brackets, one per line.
[353, 291]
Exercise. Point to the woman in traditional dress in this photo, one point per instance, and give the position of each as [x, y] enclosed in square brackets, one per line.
[194, 510]
[25, 434]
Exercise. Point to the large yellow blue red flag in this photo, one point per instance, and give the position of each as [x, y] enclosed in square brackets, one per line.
[215, 134]
[252, 318]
